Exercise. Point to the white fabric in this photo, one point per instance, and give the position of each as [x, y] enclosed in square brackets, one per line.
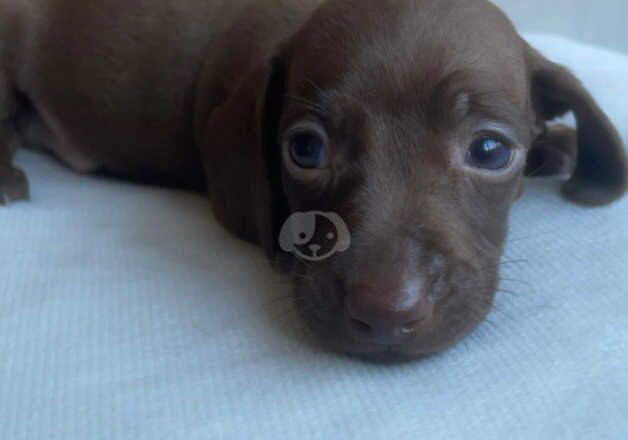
[600, 22]
[127, 313]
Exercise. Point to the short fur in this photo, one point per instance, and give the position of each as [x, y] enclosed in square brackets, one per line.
[199, 94]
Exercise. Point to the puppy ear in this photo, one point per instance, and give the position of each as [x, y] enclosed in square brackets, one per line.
[601, 171]
[239, 147]
[553, 153]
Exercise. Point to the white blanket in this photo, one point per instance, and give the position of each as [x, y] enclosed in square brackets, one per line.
[128, 313]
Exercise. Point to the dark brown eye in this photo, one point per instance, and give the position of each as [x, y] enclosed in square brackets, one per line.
[308, 150]
[488, 153]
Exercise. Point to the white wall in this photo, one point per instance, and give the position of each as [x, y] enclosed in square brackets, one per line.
[603, 22]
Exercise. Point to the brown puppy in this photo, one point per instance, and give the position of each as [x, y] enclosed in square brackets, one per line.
[411, 120]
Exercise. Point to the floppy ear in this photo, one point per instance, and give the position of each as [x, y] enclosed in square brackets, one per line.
[238, 144]
[553, 153]
[601, 171]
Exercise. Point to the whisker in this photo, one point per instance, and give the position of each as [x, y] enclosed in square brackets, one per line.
[492, 324]
[500, 310]
[280, 299]
[509, 292]
[319, 89]
[528, 237]
[520, 261]
[309, 105]
[536, 171]
[514, 280]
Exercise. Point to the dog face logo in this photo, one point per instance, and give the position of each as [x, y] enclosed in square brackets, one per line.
[314, 235]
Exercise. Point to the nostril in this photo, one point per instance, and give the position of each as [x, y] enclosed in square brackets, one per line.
[361, 326]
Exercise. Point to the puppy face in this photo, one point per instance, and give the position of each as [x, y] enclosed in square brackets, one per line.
[411, 121]
[421, 150]
[418, 140]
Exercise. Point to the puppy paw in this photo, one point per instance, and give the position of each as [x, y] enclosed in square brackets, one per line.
[13, 185]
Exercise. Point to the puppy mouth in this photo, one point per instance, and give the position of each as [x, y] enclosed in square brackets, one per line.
[325, 317]
[327, 322]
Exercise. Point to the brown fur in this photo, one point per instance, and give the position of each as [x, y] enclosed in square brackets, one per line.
[200, 94]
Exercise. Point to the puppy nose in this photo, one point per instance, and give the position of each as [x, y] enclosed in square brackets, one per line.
[314, 248]
[387, 318]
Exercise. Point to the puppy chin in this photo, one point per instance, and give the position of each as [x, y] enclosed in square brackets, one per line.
[424, 346]
[342, 343]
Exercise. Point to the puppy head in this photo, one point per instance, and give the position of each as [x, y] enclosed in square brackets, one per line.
[411, 121]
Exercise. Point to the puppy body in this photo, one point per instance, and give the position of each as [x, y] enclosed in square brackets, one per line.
[424, 113]
[112, 85]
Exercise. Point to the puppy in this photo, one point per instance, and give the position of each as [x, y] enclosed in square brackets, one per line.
[413, 121]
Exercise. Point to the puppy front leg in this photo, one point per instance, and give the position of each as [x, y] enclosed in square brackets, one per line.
[13, 182]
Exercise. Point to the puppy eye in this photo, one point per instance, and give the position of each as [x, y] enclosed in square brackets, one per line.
[308, 149]
[489, 153]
